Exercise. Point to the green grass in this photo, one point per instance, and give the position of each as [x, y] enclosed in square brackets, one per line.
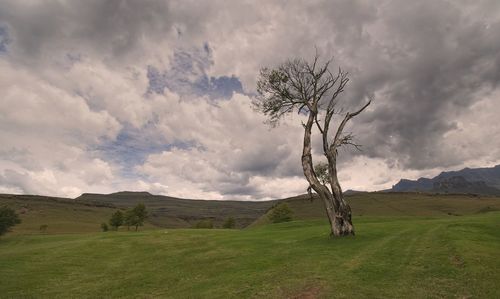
[390, 257]
[395, 205]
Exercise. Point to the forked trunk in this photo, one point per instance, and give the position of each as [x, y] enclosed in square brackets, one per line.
[341, 222]
[337, 210]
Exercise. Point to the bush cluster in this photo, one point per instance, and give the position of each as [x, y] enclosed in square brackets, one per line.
[131, 217]
[8, 218]
[280, 213]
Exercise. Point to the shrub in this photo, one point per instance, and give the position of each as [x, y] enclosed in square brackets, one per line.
[43, 228]
[280, 213]
[104, 227]
[229, 223]
[8, 218]
[116, 220]
[205, 224]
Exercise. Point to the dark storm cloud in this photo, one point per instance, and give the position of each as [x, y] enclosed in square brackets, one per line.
[4, 39]
[433, 64]
[110, 28]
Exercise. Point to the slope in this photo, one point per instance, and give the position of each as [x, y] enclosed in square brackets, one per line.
[174, 212]
[394, 204]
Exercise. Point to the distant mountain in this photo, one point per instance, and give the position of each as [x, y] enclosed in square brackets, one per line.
[467, 180]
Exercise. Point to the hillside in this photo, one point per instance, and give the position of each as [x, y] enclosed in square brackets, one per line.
[61, 215]
[174, 212]
[85, 213]
[395, 204]
[467, 180]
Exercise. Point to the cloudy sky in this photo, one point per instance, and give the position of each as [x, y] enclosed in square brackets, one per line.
[102, 96]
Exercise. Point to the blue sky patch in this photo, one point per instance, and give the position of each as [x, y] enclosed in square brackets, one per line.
[4, 39]
[132, 147]
[188, 76]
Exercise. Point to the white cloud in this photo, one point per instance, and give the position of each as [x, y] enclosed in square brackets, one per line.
[45, 135]
[73, 87]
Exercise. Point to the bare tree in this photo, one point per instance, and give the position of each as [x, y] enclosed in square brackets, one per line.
[311, 88]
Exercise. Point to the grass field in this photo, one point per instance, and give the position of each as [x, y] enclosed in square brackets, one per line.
[390, 257]
[407, 245]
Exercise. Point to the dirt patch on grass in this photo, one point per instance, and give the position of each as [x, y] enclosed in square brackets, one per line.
[309, 292]
[457, 261]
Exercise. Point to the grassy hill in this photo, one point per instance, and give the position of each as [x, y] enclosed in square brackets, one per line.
[87, 212]
[174, 212]
[61, 215]
[394, 204]
[390, 257]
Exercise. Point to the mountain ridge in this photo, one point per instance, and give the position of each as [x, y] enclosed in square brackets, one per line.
[484, 180]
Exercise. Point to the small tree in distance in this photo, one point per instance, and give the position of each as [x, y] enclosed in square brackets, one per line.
[136, 216]
[281, 213]
[141, 214]
[129, 219]
[104, 227]
[116, 220]
[8, 218]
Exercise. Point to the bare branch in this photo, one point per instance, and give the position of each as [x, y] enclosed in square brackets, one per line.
[348, 139]
[348, 116]
[318, 125]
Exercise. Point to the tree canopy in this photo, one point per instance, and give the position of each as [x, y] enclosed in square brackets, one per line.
[116, 219]
[281, 213]
[136, 216]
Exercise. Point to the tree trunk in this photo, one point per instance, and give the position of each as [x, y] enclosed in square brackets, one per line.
[343, 217]
[337, 210]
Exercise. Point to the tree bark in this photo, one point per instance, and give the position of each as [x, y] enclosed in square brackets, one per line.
[343, 217]
[337, 210]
